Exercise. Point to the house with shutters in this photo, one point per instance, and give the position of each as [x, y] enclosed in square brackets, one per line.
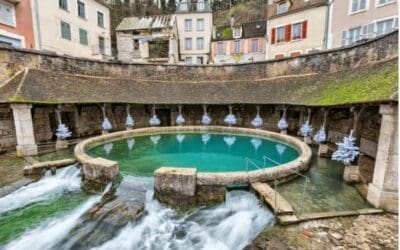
[296, 27]
[239, 43]
[16, 27]
[357, 20]
[79, 28]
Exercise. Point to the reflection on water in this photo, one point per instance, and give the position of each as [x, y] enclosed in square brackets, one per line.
[326, 190]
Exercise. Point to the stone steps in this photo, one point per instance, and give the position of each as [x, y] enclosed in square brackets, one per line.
[282, 207]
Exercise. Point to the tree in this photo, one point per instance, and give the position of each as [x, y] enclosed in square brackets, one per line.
[347, 151]
[320, 136]
[163, 6]
[171, 6]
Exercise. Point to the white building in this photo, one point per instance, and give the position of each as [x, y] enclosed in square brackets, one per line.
[148, 39]
[195, 24]
[78, 28]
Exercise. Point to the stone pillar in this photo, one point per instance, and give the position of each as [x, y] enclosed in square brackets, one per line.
[383, 191]
[144, 50]
[23, 123]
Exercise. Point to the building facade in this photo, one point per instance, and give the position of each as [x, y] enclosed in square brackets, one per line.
[16, 27]
[239, 43]
[296, 27]
[148, 39]
[78, 28]
[355, 20]
[194, 22]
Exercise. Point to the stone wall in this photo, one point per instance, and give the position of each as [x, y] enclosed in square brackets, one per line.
[12, 60]
[7, 131]
[86, 120]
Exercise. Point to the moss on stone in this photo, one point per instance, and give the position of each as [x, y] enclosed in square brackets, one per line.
[377, 84]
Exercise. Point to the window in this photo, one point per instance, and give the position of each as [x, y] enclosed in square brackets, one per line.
[354, 35]
[188, 60]
[254, 45]
[296, 31]
[81, 9]
[188, 24]
[200, 5]
[237, 32]
[83, 37]
[279, 56]
[10, 41]
[102, 46]
[135, 44]
[63, 4]
[188, 43]
[280, 34]
[7, 13]
[200, 24]
[200, 43]
[65, 30]
[296, 53]
[358, 5]
[199, 60]
[183, 6]
[283, 7]
[100, 19]
[384, 2]
[220, 48]
[237, 47]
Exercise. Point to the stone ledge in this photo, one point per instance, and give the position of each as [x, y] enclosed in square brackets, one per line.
[37, 169]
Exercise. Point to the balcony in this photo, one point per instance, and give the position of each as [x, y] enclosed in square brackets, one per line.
[201, 6]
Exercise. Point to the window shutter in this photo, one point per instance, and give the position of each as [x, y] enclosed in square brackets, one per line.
[288, 32]
[304, 30]
[344, 37]
[260, 45]
[273, 35]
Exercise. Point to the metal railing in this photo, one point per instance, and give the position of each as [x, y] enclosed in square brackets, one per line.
[276, 181]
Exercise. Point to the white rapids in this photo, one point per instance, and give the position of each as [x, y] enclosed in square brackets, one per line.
[65, 180]
[231, 225]
[54, 230]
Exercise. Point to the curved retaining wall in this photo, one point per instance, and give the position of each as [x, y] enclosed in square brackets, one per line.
[383, 48]
[102, 170]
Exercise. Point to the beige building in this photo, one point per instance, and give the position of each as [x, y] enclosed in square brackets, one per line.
[78, 28]
[148, 39]
[354, 20]
[195, 23]
[296, 27]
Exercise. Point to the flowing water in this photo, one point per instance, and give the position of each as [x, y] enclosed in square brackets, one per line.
[230, 225]
[66, 180]
[57, 218]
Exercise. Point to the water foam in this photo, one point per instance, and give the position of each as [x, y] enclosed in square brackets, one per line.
[65, 180]
[54, 230]
[231, 225]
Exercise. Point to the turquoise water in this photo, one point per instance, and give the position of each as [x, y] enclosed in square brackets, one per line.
[207, 152]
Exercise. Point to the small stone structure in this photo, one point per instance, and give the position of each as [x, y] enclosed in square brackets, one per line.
[38, 169]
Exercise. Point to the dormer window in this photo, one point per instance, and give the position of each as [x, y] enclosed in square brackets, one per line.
[283, 7]
[237, 32]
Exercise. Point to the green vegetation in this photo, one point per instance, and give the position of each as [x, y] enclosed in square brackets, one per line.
[377, 84]
[227, 33]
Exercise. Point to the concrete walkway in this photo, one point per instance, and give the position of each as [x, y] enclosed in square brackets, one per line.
[273, 199]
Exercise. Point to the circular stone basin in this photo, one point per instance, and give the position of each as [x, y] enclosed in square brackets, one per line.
[207, 152]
